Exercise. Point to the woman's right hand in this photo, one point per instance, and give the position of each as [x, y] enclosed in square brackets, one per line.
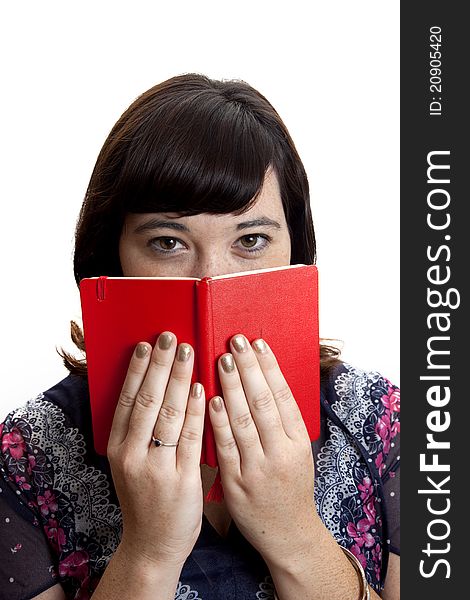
[159, 488]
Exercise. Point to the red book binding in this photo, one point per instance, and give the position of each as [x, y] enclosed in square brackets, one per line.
[279, 305]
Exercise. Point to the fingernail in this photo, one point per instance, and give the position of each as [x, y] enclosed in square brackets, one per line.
[196, 390]
[164, 341]
[184, 352]
[217, 404]
[260, 346]
[239, 343]
[142, 350]
[227, 363]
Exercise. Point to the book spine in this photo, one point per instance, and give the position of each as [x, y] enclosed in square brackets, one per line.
[206, 362]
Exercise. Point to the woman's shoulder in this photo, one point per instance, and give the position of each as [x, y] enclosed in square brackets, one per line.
[347, 386]
[54, 479]
[69, 397]
[363, 404]
[58, 417]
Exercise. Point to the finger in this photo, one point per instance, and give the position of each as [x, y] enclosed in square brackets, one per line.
[258, 393]
[172, 412]
[239, 414]
[228, 454]
[134, 378]
[150, 396]
[288, 408]
[188, 454]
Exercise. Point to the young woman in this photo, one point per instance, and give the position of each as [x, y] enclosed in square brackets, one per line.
[197, 178]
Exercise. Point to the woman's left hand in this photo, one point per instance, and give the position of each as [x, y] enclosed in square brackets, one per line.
[264, 453]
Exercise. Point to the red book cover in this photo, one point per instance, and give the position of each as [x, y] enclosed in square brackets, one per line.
[279, 305]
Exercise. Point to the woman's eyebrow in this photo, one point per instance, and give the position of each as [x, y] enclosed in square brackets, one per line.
[158, 224]
[162, 224]
[261, 222]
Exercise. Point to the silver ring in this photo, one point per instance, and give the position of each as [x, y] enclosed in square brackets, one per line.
[158, 442]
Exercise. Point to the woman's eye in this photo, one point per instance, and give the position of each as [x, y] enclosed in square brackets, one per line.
[166, 245]
[254, 242]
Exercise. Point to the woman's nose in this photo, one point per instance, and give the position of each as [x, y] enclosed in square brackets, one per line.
[212, 266]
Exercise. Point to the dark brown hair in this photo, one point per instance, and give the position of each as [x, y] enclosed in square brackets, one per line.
[189, 145]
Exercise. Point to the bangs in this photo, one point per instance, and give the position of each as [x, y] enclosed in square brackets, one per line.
[207, 154]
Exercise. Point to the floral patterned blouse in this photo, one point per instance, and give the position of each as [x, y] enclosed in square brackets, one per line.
[60, 519]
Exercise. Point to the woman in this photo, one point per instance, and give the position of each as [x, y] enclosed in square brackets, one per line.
[200, 177]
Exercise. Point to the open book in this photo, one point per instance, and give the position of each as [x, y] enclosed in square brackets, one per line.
[279, 305]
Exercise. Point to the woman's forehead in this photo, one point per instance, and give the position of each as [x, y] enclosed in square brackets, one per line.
[266, 211]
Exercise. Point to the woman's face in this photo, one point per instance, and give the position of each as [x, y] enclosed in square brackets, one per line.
[205, 245]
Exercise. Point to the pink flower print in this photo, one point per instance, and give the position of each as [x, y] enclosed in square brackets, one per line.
[383, 430]
[355, 549]
[31, 463]
[75, 565]
[360, 533]
[14, 443]
[47, 503]
[379, 463]
[395, 429]
[391, 400]
[22, 483]
[369, 509]
[1, 428]
[377, 558]
[365, 488]
[55, 534]
[16, 548]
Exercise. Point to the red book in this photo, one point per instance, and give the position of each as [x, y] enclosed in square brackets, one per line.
[279, 305]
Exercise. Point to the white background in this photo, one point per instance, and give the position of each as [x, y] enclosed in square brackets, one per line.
[71, 69]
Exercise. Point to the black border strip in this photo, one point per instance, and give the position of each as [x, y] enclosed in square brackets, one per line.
[440, 128]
